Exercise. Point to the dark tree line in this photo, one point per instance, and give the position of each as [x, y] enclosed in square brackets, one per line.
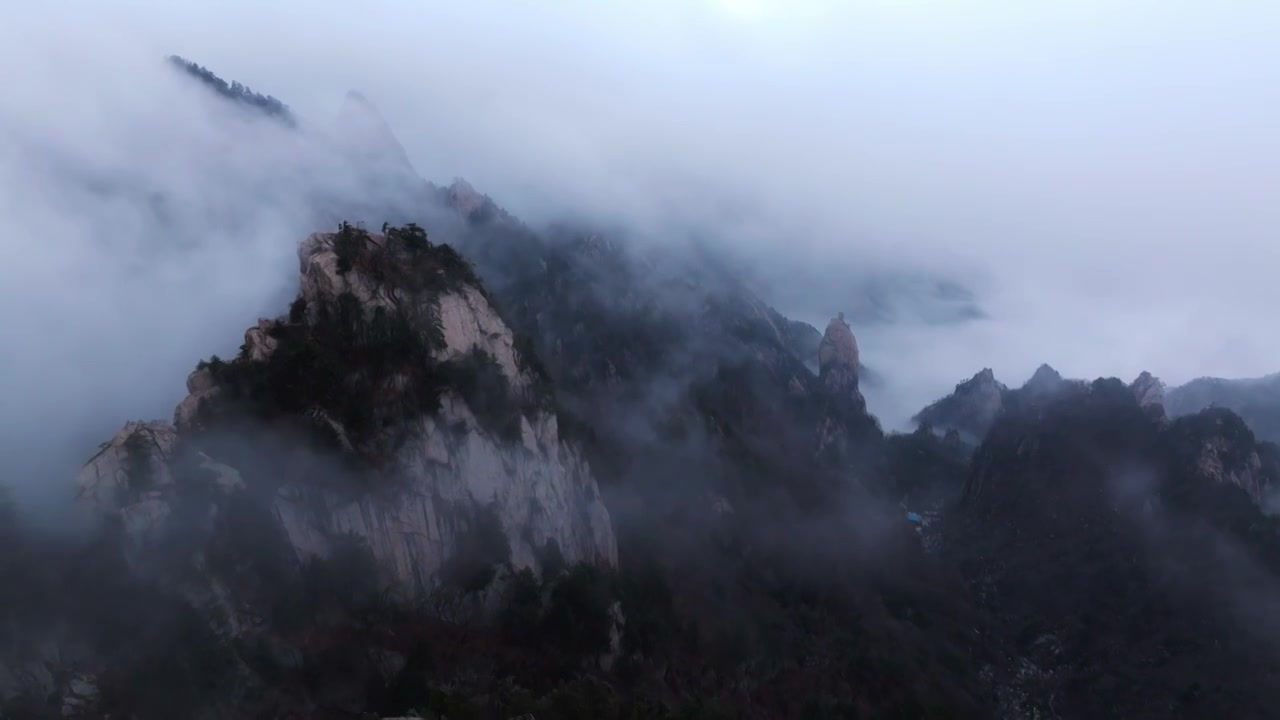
[235, 91]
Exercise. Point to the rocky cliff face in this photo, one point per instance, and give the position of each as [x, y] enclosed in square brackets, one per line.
[1149, 392]
[457, 425]
[1217, 446]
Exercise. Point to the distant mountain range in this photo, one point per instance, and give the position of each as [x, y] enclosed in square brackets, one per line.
[975, 404]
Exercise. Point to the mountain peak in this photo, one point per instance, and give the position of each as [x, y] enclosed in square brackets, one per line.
[1044, 378]
[393, 360]
[838, 346]
[970, 410]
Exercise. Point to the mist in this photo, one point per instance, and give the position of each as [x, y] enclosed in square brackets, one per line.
[1097, 177]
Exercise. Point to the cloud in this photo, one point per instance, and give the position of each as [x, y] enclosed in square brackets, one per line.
[1098, 175]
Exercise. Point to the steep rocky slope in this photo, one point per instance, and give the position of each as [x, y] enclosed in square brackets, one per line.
[394, 357]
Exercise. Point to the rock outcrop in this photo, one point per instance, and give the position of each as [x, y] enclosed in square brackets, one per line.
[133, 463]
[1149, 392]
[838, 346]
[490, 444]
[838, 359]
[1217, 446]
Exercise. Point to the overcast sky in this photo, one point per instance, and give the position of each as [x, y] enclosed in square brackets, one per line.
[1102, 174]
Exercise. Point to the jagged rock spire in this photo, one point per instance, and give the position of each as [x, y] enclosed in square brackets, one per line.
[838, 347]
[838, 359]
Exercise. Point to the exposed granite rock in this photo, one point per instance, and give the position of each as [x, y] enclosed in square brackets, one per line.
[470, 323]
[259, 342]
[131, 471]
[200, 388]
[445, 466]
[541, 490]
[1149, 392]
[1221, 449]
[1216, 464]
[838, 359]
[838, 345]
